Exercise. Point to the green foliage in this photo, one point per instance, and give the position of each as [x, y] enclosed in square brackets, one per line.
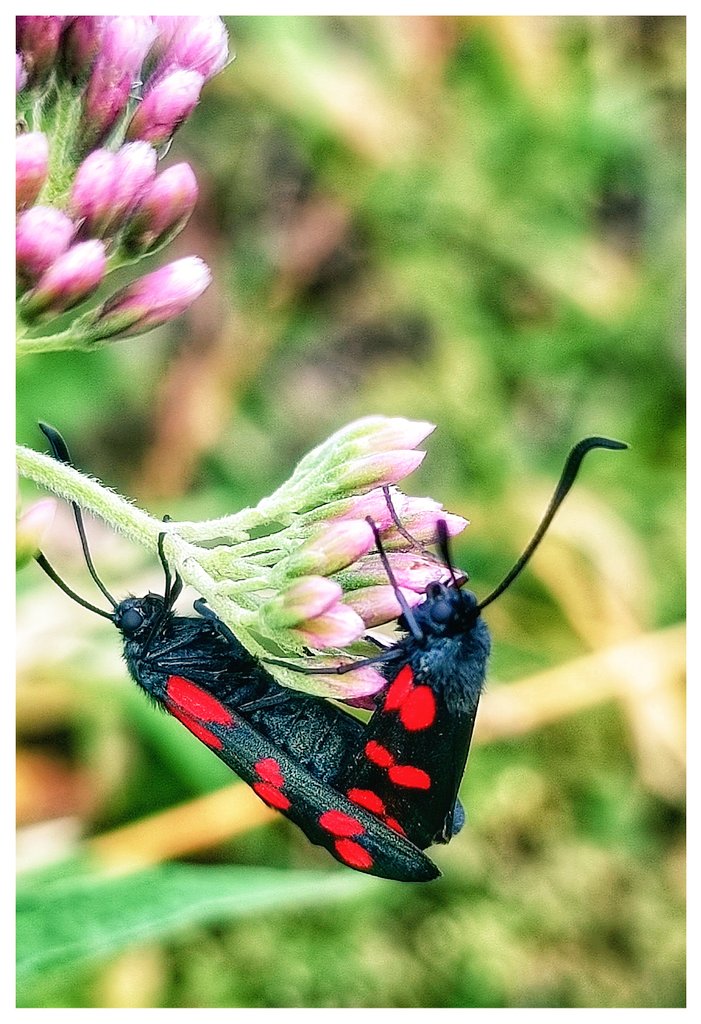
[74, 915]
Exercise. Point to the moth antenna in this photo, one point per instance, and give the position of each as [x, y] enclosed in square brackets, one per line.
[59, 450]
[53, 575]
[443, 544]
[411, 622]
[568, 477]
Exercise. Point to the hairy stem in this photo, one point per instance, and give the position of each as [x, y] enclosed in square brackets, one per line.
[92, 496]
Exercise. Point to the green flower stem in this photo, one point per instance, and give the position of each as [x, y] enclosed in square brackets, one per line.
[223, 575]
[239, 525]
[235, 588]
[219, 560]
[30, 106]
[71, 485]
[275, 545]
[68, 483]
[279, 507]
[63, 132]
[65, 341]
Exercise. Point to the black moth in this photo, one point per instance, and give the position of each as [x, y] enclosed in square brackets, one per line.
[374, 795]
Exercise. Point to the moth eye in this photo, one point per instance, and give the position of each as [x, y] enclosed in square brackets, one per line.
[131, 620]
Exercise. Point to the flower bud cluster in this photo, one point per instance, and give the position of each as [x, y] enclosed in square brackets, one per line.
[322, 581]
[343, 551]
[97, 97]
[138, 74]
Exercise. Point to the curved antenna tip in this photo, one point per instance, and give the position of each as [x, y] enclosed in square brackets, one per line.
[600, 442]
[569, 473]
[59, 448]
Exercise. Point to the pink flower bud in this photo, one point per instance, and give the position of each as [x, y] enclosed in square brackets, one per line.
[38, 38]
[337, 627]
[108, 186]
[355, 688]
[135, 167]
[304, 599]
[166, 27]
[377, 470]
[197, 43]
[359, 506]
[154, 299]
[374, 434]
[411, 571]
[165, 106]
[422, 527]
[74, 276]
[334, 547]
[125, 43]
[92, 193]
[377, 605]
[31, 163]
[164, 211]
[20, 72]
[32, 527]
[81, 44]
[382, 434]
[42, 234]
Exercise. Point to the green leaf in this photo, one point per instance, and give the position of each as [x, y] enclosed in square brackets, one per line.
[70, 916]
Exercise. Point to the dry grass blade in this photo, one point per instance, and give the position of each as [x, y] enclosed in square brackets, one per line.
[646, 674]
[179, 831]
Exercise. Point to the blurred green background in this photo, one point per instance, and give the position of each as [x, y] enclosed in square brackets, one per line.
[475, 221]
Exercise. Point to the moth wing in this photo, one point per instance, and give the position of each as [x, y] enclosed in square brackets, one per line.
[351, 833]
[414, 758]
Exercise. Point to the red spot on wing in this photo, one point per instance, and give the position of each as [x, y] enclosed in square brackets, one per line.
[371, 802]
[340, 824]
[418, 711]
[399, 690]
[197, 702]
[378, 754]
[409, 776]
[367, 799]
[353, 854]
[269, 770]
[394, 824]
[197, 729]
[416, 704]
[271, 795]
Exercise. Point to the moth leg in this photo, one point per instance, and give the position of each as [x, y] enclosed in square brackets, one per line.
[273, 700]
[388, 654]
[453, 824]
[166, 649]
[203, 609]
[384, 645]
[402, 528]
[173, 584]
